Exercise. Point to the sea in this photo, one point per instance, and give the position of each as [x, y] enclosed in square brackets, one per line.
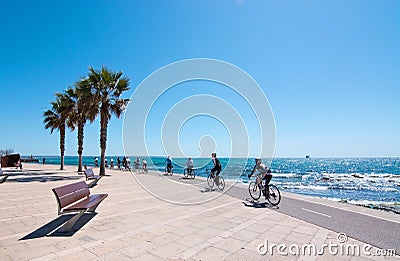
[370, 182]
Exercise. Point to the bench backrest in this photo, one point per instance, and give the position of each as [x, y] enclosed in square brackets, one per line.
[70, 193]
[89, 173]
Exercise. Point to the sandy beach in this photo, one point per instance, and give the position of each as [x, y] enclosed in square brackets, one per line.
[131, 223]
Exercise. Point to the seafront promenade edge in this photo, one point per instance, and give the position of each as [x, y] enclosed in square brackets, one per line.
[133, 224]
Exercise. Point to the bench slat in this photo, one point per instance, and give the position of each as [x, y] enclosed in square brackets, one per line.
[66, 189]
[90, 174]
[89, 202]
[71, 193]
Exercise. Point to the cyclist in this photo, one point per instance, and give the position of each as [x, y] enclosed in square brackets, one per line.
[189, 166]
[169, 164]
[137, 163]
[217, 167]
[265, 174]
[144, 163]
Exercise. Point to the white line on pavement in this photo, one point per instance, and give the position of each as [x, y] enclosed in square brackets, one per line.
[315, 212]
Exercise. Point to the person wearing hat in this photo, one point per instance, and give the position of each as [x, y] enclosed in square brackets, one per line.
[265, 173]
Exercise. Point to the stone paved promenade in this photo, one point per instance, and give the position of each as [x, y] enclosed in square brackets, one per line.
[132, 224]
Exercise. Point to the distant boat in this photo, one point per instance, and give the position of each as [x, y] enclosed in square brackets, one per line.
[307, 156]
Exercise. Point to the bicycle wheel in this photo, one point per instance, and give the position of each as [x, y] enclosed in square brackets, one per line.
[193, 174]
[254, 190]
[185, 173]
[274, 196]
[210, 181]
[221, 183]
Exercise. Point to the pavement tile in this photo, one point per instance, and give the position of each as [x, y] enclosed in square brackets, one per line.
[164, 239]
[136, 249]
[245, 255]
[160, 229]
[169, 251]
[230, 244]
[245, 235]
[112, 256]
[211, 253]
[106, 247]
[84, 255]
[210, 232]
[295, 237]
[147, 257]
[304, 229]
[191, 240]
[184, 231]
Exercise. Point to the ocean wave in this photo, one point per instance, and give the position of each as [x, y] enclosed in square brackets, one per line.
[286, 175]
[305, 187]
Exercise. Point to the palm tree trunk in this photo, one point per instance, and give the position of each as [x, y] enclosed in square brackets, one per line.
[62, 145]
[81, 126]
[103, 142]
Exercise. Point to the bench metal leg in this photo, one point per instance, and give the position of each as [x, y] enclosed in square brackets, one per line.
[3, 178]
[93, 209]
[70, 223]
[92, 183]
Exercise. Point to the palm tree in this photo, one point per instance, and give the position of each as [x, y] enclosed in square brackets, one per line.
[107, 87]
[81, 99]
[55, 119]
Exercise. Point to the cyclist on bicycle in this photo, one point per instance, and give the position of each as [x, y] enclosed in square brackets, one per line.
[265, 173]
[169, 164]
[217, 166]
[189, 166]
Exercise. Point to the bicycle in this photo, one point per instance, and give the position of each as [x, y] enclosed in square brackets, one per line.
[191, 173]
[169, 170]
[211, 180]
[272, 194]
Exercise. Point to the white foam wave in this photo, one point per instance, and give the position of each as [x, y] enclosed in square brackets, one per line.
[285, 175]
[305, 187]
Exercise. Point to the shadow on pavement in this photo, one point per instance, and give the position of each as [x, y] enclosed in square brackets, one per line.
[42, 178]
[52, 228]
[256, 204]
[206, 190]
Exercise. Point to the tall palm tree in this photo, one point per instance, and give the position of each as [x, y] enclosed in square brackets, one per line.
[55, 119]
[81, 99]
[107, 87]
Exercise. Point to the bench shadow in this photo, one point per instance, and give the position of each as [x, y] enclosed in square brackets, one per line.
[43, 178]
[52, 229]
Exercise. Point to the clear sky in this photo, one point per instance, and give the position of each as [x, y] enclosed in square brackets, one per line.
[330, 69]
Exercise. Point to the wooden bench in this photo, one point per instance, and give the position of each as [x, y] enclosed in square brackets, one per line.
[3, 176]
[90, 176]
[76, 197]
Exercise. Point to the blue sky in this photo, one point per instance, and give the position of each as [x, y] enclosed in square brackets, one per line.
[330, 69]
